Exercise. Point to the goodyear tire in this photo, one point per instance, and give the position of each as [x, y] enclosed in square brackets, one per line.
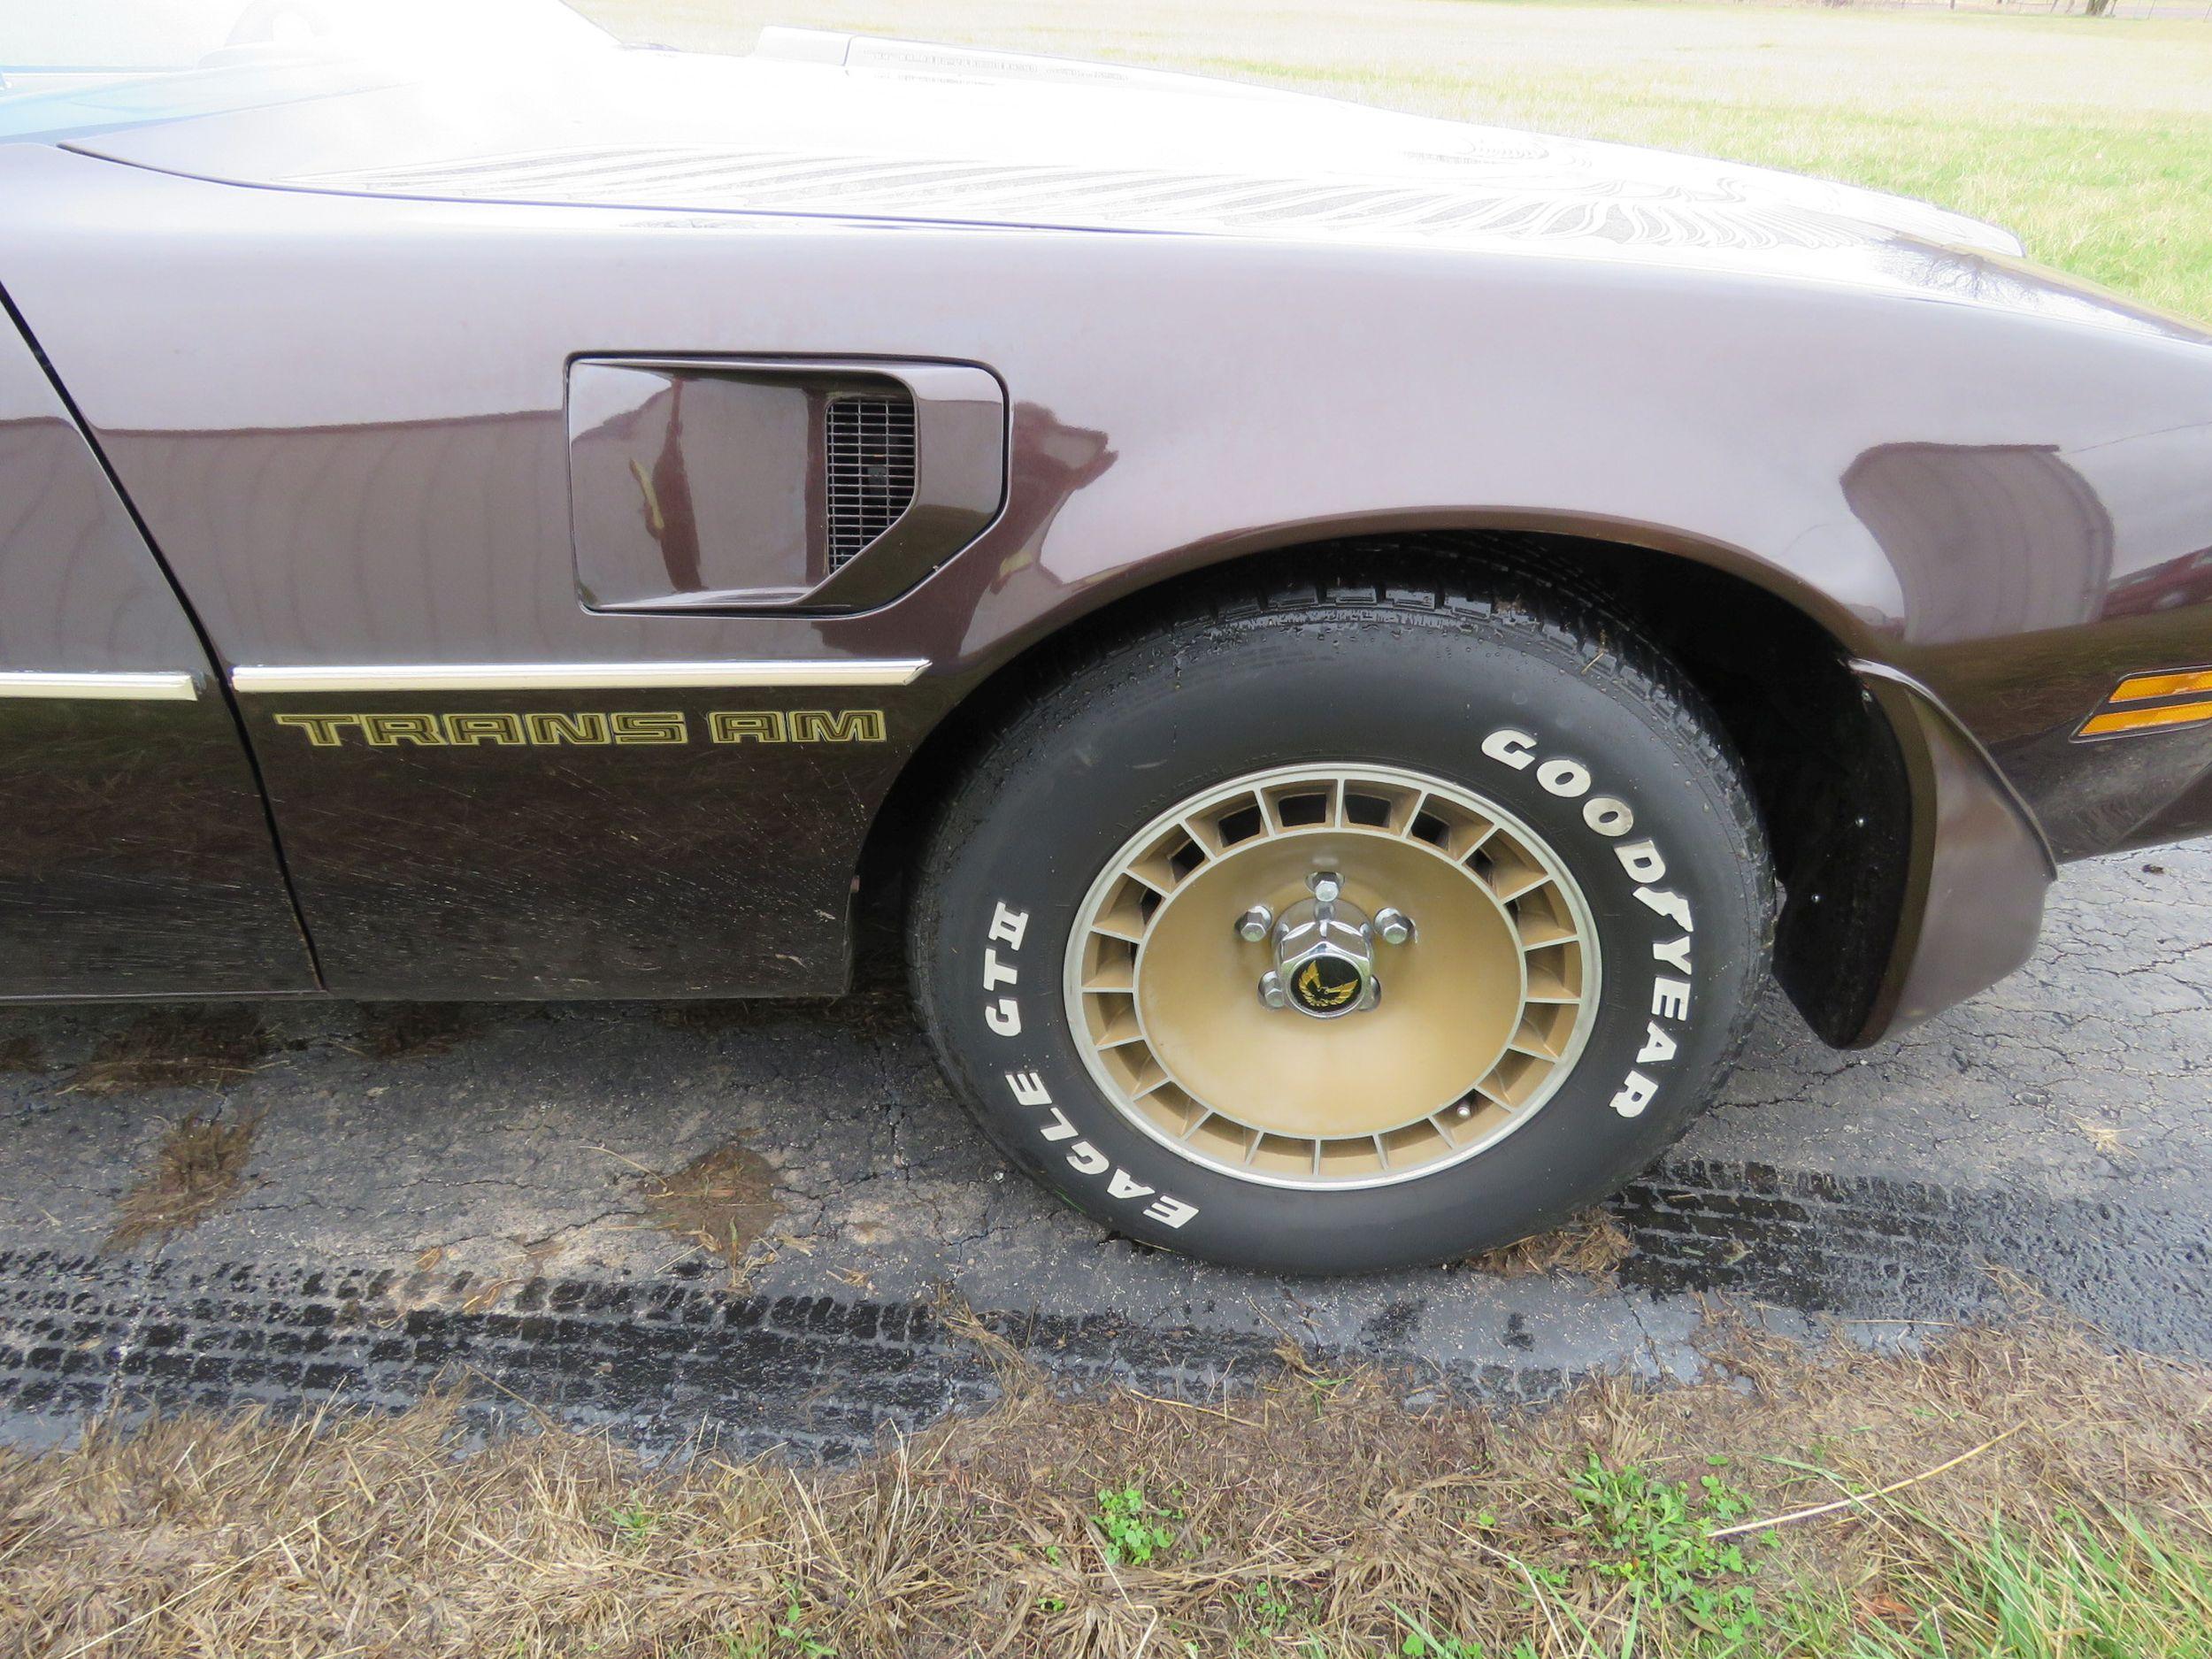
[1511, 785]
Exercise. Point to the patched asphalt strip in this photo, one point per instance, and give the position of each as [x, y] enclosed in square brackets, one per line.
[663, 1364]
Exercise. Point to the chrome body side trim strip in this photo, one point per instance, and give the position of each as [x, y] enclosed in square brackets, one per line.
[111, 688]
[766, 676]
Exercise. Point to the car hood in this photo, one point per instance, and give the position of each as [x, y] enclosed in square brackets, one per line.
[851, 127]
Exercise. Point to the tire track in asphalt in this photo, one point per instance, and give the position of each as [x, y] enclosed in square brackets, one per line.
[1867, 1247]
[825, 1377]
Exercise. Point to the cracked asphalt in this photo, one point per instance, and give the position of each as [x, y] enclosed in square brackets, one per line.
[463, 1196]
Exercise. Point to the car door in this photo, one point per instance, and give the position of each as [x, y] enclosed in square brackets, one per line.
[514, 741]
[135, 853]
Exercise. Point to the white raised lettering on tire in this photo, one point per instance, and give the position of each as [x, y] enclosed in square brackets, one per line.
[1002, 1015]
[1645, 866]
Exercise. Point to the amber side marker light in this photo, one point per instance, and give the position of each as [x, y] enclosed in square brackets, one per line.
[2150, 702]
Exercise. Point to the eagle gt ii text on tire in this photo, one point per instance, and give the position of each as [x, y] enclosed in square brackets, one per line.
[1349, 641]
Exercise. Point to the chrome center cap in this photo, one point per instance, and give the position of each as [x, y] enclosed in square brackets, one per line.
[1324, 958]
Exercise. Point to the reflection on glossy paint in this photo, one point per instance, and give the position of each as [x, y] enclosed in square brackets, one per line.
[135, 849]
[1987, 538]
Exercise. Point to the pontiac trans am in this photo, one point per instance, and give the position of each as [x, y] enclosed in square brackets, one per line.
[1350, 645]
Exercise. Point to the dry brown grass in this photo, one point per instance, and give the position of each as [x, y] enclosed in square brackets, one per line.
[1312, 1507]
[200, 1167]
[720, 1202]
[183, 1047]
[1592, 1246]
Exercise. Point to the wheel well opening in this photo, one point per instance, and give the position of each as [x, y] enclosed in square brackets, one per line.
[1820, 758]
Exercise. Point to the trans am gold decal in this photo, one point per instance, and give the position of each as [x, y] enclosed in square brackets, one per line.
[631, 726]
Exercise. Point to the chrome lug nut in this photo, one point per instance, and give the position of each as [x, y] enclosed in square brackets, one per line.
[1253, 925]
[1327, 886]
[1393, 926]
[1271, 992]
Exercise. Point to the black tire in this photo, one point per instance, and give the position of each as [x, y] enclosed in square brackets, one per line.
[1399, 675]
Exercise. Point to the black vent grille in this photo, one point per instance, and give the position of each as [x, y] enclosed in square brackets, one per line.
[871, 468]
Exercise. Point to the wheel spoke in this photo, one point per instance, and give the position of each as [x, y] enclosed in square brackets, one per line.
[1420, 805]
[1497, 1095]
[1547, 984]
[1533, 1044]
[1541, 933]
[1522, 888]
[1126, 926]
[1122, 1029]
[1118, 977]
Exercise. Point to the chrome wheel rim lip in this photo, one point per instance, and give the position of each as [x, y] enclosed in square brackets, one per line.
[1556, 877]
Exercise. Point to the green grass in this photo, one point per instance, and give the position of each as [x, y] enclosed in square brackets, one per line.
[2090, 138]
[1134, 1529]
[2064, 1588]
[2111, 1591]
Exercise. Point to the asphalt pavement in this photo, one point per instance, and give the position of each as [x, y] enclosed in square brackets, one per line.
[768, 1224]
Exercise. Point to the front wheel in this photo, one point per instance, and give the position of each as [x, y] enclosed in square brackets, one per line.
[1346, 928]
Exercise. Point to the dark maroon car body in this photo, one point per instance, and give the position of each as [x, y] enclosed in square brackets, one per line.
[289, 425]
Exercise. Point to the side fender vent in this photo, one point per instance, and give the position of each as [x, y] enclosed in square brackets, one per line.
[868, 454]
[767, 484]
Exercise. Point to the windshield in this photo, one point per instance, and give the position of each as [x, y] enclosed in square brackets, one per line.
[111, 37]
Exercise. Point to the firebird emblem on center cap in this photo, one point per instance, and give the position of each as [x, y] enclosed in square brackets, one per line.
[1325, 983]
